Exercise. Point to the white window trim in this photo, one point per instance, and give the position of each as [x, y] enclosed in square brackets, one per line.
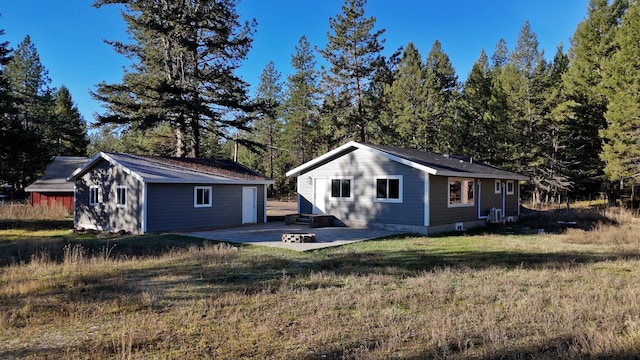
[513, 187]
[118, 187]
[449, 204]
[351, 184]
[497, 187]
[97, 189]
[399, 200]
[195, 196]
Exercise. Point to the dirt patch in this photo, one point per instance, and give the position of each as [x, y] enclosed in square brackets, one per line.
[281, 208]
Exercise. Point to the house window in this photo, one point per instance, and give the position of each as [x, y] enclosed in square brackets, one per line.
[94, 195]
[460, 192]
[388, 189]
[498, 188]
[202, 196]
[341, 188]
[510, 187]
[121, 196]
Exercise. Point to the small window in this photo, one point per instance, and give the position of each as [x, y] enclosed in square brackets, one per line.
[341, 188]
[388, 189]
[94, 195]
[460, 192]
[121, 196]
[510, 187]
[202, 196]
[498, 186]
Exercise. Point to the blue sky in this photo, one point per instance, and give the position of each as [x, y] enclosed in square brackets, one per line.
[68, 34]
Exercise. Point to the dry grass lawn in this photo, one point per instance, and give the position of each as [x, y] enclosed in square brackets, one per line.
[513, 293]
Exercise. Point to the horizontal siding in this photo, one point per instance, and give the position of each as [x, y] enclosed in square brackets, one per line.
[512, 202]
[170, 207]
[488, 197]
[106, 215]
[441, 213]
[364, 166]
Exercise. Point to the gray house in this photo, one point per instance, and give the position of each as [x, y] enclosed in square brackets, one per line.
[378, 186]
[140, 194]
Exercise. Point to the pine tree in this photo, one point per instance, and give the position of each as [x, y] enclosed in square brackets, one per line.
[519, 149]
[186, 56]
[353, 52]
[441, 83]
[554, 177]
[474, 131]
[68, 130]
[582, 111]
[268, 125]
[29, 85]
[10, 127]
[407, 102]
[621, 149]
[300, 110]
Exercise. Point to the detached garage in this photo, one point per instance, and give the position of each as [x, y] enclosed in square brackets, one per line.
[141, 194]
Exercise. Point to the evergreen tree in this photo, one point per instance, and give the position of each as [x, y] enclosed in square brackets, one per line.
[474, 131]
[582, 111]
[268, 125]
[301, 113]
[68, 130]
[353, 53]
[441, 83]
[519, 148]
[186, 56]
[10, 127]
[407, 102]
[29, 85]
[553, 179]
[621, 149]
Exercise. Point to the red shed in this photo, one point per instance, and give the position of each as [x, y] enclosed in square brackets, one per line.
[53, 187]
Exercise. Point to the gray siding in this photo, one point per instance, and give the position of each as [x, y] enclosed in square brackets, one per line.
[512, 202]
[492, 200]
[170, 207]
[441, 213]
[363, 166]
[107, 215]
[488, 197]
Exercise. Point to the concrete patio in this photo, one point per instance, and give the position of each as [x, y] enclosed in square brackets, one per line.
[270, 234]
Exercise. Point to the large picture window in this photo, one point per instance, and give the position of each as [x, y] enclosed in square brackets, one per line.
[341, 188]
[94, 195]
[388, 189]
[461, 192]
[202, 196]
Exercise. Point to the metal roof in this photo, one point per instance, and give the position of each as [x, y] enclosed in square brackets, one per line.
[55, 176]
[156, 169]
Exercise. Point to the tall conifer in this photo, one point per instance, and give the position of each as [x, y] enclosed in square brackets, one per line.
[353, 51]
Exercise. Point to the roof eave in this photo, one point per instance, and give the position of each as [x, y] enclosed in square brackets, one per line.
[512, 176]
[352, 144]
[211, 181]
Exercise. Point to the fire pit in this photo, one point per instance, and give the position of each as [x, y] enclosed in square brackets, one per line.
[299, 238]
